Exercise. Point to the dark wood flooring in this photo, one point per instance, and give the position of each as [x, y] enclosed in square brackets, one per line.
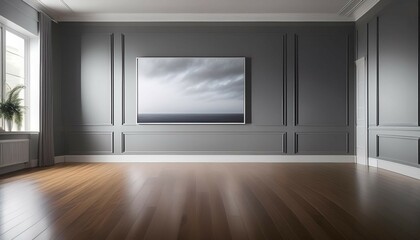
[209, 201]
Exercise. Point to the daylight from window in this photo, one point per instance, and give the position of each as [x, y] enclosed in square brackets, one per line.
[19, 81]
[15, 71]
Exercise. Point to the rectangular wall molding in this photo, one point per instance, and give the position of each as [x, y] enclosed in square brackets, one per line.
[299, 71]
[394, 128]
[397, 42]
[110, 118]
[285, 80]
[321, 142]
[296, 83]
[401, 149]
[377, 71]
[112, 40]
[270, 52]
[89, 142]
[349, 60]
[267, 97]
[123, 78]
[204, 142]
[388, 38]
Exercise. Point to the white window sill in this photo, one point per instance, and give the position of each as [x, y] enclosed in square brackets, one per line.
[19, 133]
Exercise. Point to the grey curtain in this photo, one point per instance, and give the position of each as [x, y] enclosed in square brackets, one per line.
[46, 128]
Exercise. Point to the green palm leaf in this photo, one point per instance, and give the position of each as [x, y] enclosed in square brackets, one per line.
[11, 107]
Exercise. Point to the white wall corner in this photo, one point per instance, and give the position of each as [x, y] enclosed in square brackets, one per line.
[59, 159]
[214, 158]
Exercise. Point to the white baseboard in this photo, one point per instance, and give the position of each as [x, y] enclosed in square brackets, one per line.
[59, 159]
[213, 158]
[396, 167]
[361, 162]
[373, 162]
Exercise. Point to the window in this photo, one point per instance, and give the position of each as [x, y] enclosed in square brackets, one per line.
[19, 66]
[16, 67]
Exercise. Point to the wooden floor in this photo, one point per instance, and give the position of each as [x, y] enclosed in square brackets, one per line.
[209, 201]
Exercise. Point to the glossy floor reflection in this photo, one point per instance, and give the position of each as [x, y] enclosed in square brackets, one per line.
[209, 201]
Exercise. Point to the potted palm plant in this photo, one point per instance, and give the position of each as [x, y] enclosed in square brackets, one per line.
[11, 108]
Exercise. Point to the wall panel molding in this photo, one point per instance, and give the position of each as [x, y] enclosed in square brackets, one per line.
[269, 142]
[267, 48]
[397, 79]
[296, 83]
[285, 80]
[269, 93]
[397, 148]
[322, 142]
[394, 128]
[112, 40]
[393, 70]
[110, 122]
[90, 142]
[377, 71]
[297, 74]
[348, 62]
[123, 78]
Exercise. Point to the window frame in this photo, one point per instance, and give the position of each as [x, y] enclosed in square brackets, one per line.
[27, 81]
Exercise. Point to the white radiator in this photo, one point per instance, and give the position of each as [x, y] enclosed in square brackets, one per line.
[14, 152]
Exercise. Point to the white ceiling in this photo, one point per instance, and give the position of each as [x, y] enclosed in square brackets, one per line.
[204, 10]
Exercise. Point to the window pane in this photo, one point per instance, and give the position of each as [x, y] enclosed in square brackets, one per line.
[15, 71]
[15, 65]
[15, 44]
[12, 81]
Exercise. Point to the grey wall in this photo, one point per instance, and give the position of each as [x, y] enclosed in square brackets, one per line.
[300, 86]
[388, 38]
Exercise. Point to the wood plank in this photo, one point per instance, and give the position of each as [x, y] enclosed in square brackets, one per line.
[208, 201]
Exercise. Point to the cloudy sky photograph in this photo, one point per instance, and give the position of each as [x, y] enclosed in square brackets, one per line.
[191, 85]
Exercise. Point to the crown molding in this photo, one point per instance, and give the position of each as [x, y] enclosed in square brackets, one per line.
[363, 8]
[350, 7]
[351, 12]
[202, 17]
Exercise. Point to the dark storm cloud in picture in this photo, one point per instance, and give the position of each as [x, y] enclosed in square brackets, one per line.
[191, 90]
